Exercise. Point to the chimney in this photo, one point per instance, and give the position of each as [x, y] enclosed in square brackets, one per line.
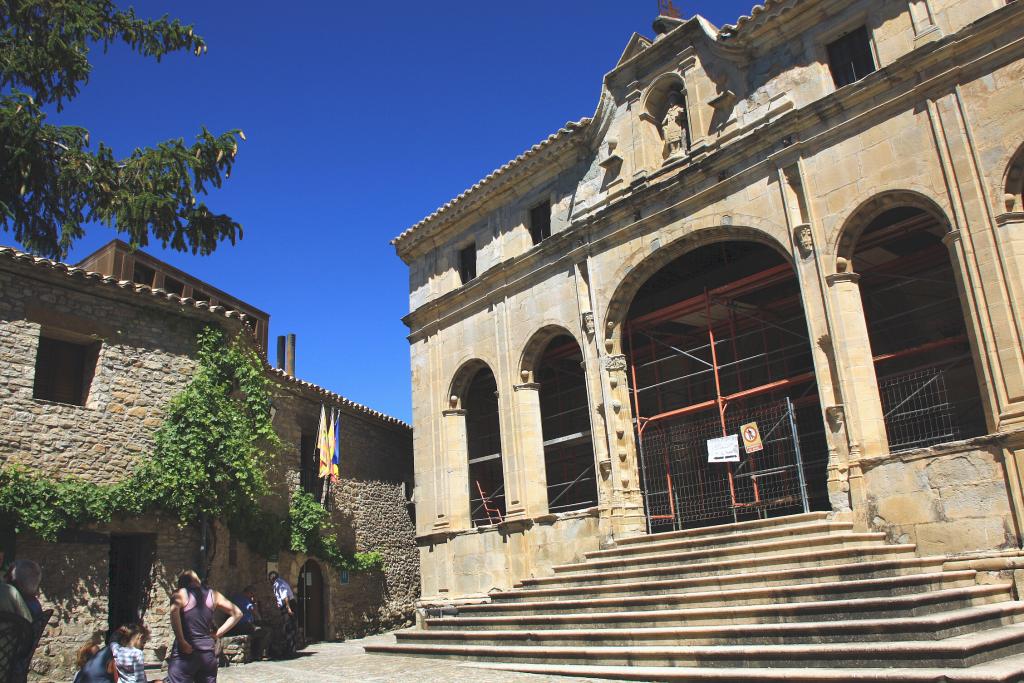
[289, 356]
[280, 352]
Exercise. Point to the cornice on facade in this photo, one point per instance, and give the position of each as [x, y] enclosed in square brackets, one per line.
[486, 188]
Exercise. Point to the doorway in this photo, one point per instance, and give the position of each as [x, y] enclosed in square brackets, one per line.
[311, 601]
[131, 562]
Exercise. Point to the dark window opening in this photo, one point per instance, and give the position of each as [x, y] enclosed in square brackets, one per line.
[143, 275]
[483, 436]
[200, 295]
[467, 263]
[540, 222]
[849, 57]
[131, 564]
[923, 362]
[173, 286]
[64, 370]
[309, 470]
[565, 423]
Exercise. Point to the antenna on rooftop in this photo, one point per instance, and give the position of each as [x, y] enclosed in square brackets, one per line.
[667, 9]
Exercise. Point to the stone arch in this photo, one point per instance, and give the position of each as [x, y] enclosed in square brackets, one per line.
[1013, 183]
[846, 239]
[641, 266]
[462, 379]
[537, 344]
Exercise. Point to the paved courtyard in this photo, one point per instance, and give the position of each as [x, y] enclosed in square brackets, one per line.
[348, 662]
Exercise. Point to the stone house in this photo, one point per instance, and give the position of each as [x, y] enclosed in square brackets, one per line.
[87, 364]
[803, 229]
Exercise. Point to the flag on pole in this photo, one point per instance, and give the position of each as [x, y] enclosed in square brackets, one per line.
[331, 444]
[336, 456]
[321, 444]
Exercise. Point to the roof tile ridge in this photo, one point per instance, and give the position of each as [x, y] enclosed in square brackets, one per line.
[336, 397]
[569, 128]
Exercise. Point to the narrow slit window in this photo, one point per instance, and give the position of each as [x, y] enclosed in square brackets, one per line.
[467, 263]
[849, 57]
[540, 222]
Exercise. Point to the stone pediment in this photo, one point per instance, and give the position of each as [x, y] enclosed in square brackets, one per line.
[635, 46]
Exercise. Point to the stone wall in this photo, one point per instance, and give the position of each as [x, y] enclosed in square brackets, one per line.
[947, 499]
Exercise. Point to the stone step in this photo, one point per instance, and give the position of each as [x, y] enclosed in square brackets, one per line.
[759, 534]
[1006, 670]
[758, 595]
[807, 557]
[956, 652]
[721, 530]
[931, 627]
[760, 551]
[918, 604]
[824, 573]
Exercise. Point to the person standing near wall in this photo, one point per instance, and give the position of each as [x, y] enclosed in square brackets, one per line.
[285, 598]
[194, 655]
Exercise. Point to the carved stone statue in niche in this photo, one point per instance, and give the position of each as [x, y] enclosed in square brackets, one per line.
[673, 126]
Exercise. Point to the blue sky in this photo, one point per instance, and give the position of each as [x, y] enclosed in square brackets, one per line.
[361, 119]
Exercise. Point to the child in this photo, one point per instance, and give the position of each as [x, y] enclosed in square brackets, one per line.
[94, 663]
[126, 647]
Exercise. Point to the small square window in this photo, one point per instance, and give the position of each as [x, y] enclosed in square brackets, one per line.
[849, 57]
[467, 263]
[143, 275]
[540, 222]
[64, 370]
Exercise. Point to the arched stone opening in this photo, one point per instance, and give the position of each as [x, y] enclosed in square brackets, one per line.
[478, 398]
[1013, 185]
[312, 601]
[665, 125]
[921, 349]
[565, 425]
[717, 346]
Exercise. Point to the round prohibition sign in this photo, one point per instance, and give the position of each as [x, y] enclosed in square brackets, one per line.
[750, 434]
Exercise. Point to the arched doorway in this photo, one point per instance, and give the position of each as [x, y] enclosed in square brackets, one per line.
[483, 441]
[565, 423]
[717, 345]
[923, 361]
[311, 602]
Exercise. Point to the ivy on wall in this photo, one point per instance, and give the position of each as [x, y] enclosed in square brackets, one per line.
[210, 461]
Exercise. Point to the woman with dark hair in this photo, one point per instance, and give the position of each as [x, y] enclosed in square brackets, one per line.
[194, 657]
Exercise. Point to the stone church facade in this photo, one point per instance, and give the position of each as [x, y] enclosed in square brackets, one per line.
[810, 222]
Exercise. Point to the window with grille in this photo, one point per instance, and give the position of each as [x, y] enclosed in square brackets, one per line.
[467, 263]
[64, 370]
[540, 222]
[849, 57]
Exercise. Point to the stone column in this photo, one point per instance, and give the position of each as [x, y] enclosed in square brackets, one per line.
[862, 409]
[624, 514]
[534, 495]
[456, 473]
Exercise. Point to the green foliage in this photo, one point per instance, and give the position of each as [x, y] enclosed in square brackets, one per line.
[217, 439]
[51, 182]
[308, 521]
[210, 461]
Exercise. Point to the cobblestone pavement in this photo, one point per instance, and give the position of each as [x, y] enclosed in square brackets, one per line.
[348, 662]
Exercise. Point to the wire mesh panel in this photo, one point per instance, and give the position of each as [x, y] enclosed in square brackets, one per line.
[682, 489]
[920, 412]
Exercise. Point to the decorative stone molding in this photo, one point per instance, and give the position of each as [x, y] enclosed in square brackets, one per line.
[837, 278]
[836, 416]
[804, 240]
[1010, 217]
[454, 412]
[605, 468]
[615, 363]
[951, 238]
[528, 386]
[588, 323]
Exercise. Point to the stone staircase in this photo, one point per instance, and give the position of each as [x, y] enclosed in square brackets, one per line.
[800, 598]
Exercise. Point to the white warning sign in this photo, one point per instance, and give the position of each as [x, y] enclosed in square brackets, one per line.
[724, 449]
[751, 438]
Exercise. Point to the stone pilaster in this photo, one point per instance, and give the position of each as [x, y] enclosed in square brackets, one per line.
[530, 455]
[453, 512]
[623, 516]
